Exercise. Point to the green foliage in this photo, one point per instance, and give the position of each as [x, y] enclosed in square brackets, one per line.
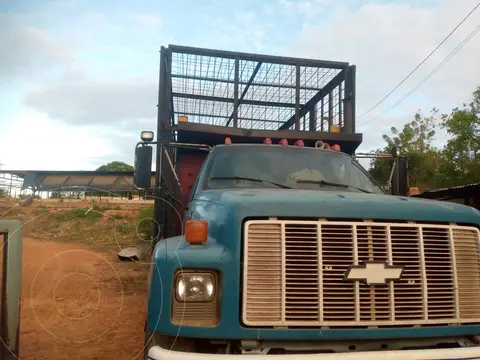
[3, 193]
[41, 211]
[416, 138]
[462, 152]
[79, 213]
[116, 166]
[145, 221]
[113, 166]
[457, 163]
[125, 229]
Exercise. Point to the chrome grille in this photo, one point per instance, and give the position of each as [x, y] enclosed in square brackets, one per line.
[294, 274]
[408, 291]
[264, 274]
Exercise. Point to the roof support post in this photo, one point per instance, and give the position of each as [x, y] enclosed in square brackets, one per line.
[235, 93]
[162, 109]
[244, 92]
[297, 97]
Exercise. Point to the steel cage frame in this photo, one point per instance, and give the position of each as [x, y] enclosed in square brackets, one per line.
[250, 92]
[278, 92]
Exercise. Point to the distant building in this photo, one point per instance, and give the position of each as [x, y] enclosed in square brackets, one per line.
[466, 194]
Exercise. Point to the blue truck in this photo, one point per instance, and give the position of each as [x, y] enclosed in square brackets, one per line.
[271, 239]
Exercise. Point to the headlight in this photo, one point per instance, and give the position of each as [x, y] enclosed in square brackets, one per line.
[195, 287]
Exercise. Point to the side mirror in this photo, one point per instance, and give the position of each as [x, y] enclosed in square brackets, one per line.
[143, 167]
[400, 177]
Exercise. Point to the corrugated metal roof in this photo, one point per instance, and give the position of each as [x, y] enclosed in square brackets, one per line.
[453, 192]
[51, 180]
[451, 188]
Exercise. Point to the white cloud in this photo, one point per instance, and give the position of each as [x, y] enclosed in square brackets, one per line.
[386, 41]
[83, 101]
[27, 52]
[32, 141]
[149, 20]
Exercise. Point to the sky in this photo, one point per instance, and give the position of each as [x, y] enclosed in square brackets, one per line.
[79, 78]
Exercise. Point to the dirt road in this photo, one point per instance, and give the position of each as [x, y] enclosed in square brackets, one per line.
[77, 304]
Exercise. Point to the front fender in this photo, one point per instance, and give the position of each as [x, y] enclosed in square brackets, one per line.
[174, 254]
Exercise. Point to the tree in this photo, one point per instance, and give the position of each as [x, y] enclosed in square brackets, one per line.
[462, 152]
[3, 193]
[112, 166]
[116, 166]
[416, 139]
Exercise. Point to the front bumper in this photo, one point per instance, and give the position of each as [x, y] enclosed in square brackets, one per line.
[470, 353]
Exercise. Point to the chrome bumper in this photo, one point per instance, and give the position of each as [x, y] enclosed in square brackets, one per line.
[470, 353]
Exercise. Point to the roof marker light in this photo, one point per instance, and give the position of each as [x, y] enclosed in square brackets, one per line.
[267, 141]
[335, 147]
[228, 141]
[283, 142]
[299, 143]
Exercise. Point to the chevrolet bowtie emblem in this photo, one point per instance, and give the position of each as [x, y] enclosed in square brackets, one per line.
[374, 273]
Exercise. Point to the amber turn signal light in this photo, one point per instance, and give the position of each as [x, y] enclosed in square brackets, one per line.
[196, 231]
[413, 191]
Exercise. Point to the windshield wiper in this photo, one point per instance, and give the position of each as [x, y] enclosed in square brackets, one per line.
[250, 179]
[323, 182]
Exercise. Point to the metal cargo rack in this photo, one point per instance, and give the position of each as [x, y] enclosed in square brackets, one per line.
[206, 95]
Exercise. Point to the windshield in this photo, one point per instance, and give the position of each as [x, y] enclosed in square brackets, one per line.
[287, 167]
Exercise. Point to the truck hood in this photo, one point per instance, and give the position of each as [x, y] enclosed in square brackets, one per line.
[336, 204]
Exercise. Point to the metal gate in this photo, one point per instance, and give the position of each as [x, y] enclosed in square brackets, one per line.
[10, 287]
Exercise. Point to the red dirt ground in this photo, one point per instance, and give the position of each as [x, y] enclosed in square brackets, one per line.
[78, 304]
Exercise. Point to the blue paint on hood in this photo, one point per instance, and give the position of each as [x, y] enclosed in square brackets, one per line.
[332, 204]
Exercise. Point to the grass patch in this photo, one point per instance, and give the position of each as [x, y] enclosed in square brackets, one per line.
[42, 211]
[104, 208]
[125, 229]
[116, 216]
[79, 213]
[145, 220]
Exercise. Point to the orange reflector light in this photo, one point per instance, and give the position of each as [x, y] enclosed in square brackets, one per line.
[335, 147]
[182, 118]
[413, 191]
[299, 143]
[196, 231]
[267, 141]
[283, 142]
[228, 141]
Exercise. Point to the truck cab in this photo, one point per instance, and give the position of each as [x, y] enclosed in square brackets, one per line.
[285, 246]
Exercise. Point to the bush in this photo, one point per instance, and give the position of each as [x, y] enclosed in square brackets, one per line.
[145, 221]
